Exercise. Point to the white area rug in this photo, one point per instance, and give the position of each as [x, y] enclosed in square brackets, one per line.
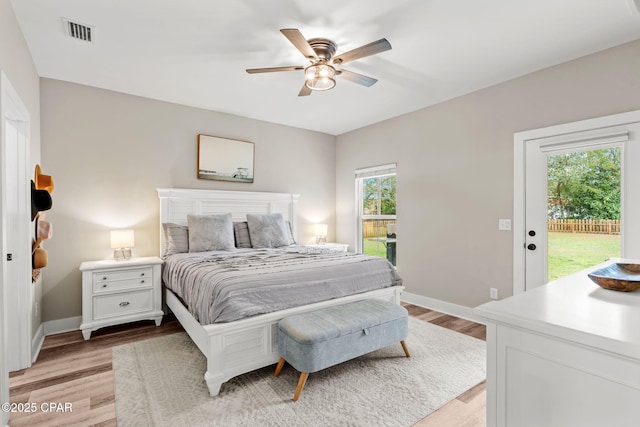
[160, 382]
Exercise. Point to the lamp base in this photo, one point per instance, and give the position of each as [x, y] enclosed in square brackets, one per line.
[122, 254]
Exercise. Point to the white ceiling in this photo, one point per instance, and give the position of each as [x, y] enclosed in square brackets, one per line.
[195, 52]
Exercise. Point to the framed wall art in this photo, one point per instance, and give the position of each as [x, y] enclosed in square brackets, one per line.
[225, 159]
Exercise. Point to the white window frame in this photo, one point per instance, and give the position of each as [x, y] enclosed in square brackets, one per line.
[360, 175]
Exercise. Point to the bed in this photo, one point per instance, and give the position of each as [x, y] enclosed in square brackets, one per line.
[234, 344]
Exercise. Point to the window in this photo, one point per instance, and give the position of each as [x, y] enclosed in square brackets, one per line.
[376, 222]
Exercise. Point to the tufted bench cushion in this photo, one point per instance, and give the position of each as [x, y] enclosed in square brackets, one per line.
[322, 338]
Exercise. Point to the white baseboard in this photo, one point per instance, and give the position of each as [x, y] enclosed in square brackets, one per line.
[442, 306]
[36, 343]
[59, 326]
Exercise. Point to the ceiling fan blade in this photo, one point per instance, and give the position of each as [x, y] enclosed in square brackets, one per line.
[362, 51]
[297, 39]
[273, 69]
[305, 91]
[357, 78]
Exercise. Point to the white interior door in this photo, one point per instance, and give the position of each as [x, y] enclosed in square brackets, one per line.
[17, 254]
[531, 149]
[15, 233]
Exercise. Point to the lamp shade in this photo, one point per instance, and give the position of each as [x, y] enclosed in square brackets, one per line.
[320, 229]
[122, 239]
[320, 77]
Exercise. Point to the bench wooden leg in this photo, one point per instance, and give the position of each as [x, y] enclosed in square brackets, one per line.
[301, 382]
[279, 367]
[404, 347]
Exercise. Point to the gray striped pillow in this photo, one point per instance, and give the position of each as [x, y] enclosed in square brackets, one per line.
[176, 239]
[241, 233]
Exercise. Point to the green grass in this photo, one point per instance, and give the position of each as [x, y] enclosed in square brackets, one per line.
[571, 252]
[374, 248]
[568, 252]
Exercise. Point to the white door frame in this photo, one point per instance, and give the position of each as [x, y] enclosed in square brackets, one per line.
[520, 140]
[11, 107]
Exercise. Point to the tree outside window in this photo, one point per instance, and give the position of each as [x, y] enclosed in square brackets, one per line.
[379, 195]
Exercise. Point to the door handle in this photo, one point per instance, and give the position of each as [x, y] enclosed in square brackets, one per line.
[531, 247]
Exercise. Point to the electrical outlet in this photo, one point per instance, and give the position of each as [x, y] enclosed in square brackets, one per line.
[504, 224]
[493, 293]
[37, 309]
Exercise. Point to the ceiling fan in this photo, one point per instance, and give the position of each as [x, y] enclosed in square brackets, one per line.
[320, 74]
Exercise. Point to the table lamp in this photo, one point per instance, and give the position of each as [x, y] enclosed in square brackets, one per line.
[122, 242]
[321, 233]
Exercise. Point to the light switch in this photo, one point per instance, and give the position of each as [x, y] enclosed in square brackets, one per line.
[504, 224]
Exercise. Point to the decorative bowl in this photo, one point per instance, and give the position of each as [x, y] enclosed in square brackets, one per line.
[618, 277]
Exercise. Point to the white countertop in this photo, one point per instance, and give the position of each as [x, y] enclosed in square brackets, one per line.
[576, 309]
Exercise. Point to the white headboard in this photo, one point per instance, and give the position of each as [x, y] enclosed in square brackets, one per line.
[177, 203]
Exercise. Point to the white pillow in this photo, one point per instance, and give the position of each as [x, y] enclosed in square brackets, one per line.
[210, 233]
[268, 231]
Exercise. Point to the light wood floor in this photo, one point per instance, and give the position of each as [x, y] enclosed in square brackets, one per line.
[468, 409]
[71, 370]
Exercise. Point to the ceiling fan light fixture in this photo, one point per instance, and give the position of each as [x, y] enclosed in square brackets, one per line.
[320, 77]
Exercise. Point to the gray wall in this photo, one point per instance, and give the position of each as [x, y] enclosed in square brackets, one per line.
[108, 152]
[18, 66]
[455, 169]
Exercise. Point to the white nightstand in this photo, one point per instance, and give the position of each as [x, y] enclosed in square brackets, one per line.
[338, 247]
[116, 292]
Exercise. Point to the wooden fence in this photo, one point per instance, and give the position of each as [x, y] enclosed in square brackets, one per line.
[592, 226]
[375, 227]
[378, 227]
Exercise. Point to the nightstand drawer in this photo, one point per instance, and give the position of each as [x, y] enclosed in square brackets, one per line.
[114, 305]
[134, 273]
[116, 285]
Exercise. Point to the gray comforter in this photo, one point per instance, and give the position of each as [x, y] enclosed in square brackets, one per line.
[224, 286]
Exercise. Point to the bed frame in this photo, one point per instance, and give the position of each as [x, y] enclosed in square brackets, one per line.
[241, 346]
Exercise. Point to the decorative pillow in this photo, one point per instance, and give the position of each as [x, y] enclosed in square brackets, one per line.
[268, 231]
[176, 239]
[210, 233]
[241, 233]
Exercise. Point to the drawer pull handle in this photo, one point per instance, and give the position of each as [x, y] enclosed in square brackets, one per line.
[104, 285]
[124, 303]
[141, 281]
[104, 278]
[142, 274]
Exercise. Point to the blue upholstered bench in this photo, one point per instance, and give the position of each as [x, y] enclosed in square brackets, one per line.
[322, 338]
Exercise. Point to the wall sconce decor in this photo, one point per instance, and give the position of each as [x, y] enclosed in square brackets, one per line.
[122, 241]
[321, 233]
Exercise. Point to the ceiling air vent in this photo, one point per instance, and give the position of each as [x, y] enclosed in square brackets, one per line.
[78, 31]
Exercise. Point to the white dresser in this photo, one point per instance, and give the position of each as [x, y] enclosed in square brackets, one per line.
[116, 292]
[565, 354]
